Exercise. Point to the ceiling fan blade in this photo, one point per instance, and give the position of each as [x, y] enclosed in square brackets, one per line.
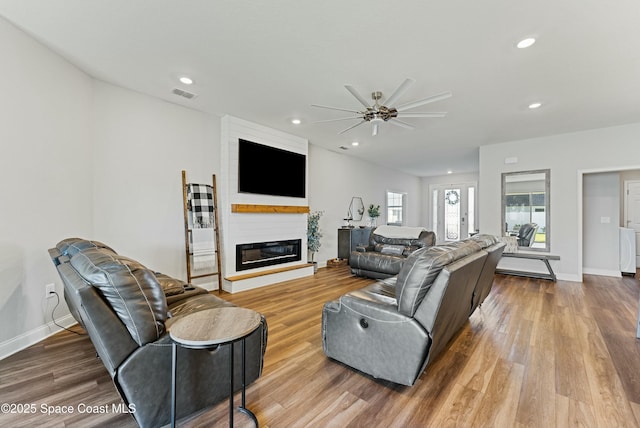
[334, 108]
[359, 97]
[375, 129]
[351, 127]
[400, 123]
[419, 103]
[336, 120]
[398, 92]
[434, 114]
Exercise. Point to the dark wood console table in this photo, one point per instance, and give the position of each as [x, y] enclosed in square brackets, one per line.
[350, 238]
[531, 256]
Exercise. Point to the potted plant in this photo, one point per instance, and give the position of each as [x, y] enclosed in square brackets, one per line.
[313, 236]
[374, 212]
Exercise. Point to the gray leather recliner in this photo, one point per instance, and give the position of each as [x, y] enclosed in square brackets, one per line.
[393, 328]
[527, 234]
[384, 256]
[125, 309]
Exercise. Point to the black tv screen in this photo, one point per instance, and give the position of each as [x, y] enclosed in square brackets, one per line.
[266, 170]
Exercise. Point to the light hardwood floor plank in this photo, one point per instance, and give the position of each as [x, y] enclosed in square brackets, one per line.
[536, 353]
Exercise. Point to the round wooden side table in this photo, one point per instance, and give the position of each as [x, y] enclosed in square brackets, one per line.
[210, 328]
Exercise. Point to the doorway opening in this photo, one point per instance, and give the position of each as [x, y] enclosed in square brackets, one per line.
[453, 211]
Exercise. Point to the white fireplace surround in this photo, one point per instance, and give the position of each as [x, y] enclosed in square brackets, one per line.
[241, 228]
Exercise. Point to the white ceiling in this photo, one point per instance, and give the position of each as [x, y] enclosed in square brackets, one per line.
[268, 61]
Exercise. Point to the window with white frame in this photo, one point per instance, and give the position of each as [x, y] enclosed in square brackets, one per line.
[396, 202]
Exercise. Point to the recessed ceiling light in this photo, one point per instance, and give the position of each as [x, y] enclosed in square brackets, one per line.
[186, 80]
[355, 143]
[296, 121]
[449, 172]
[525, 43]
[535, 105]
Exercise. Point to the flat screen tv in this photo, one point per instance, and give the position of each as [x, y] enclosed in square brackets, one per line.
[266, 170]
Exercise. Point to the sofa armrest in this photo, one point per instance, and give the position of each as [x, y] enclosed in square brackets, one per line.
[370, 335]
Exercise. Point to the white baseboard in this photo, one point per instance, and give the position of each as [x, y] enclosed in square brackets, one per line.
[601, 272]
[18, 343]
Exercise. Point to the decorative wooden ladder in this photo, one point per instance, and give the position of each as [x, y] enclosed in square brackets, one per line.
[188, 233]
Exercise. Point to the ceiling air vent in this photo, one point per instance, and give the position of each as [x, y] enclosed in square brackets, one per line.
[183, 93]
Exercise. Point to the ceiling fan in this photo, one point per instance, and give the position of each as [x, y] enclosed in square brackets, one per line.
[383, 111]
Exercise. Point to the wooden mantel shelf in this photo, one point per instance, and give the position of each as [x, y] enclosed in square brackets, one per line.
[271, 209]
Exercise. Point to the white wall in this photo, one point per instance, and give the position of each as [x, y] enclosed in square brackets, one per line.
[45, 169]
[601, 213]
[87, 159]
[334, 178]
[141, 146]
[569, 156]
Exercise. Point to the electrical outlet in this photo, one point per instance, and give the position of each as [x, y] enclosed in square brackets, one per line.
[49, 290]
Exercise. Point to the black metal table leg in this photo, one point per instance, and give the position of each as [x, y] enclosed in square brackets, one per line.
[174, 353]
[243, 407]
[231, 385]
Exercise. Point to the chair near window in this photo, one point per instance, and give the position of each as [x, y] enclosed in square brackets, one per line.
[527, 234]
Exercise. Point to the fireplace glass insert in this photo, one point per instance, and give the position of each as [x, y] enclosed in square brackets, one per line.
[260, 254]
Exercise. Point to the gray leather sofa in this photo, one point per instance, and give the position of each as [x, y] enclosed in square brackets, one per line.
[384, 255]
[393, 328]
[125, 309]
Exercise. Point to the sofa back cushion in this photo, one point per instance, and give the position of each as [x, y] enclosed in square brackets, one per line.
[422, 267]
[417, 274]
[70, 246]
[382, 243]
[484, 240]
[130, 289]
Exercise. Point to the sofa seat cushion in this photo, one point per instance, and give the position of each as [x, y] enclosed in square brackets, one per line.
[198, 303]
[194, 304]
[189, 292]
[170, 286]
[130, 289]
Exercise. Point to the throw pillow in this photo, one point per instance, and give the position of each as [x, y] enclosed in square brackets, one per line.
[512, 243]
[395, 250]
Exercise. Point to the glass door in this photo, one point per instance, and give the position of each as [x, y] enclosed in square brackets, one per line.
[453, 211]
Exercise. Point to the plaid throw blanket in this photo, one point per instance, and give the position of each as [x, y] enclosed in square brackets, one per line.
[200, 200]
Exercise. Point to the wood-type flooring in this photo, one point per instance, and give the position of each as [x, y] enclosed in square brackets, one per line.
[535, 354]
